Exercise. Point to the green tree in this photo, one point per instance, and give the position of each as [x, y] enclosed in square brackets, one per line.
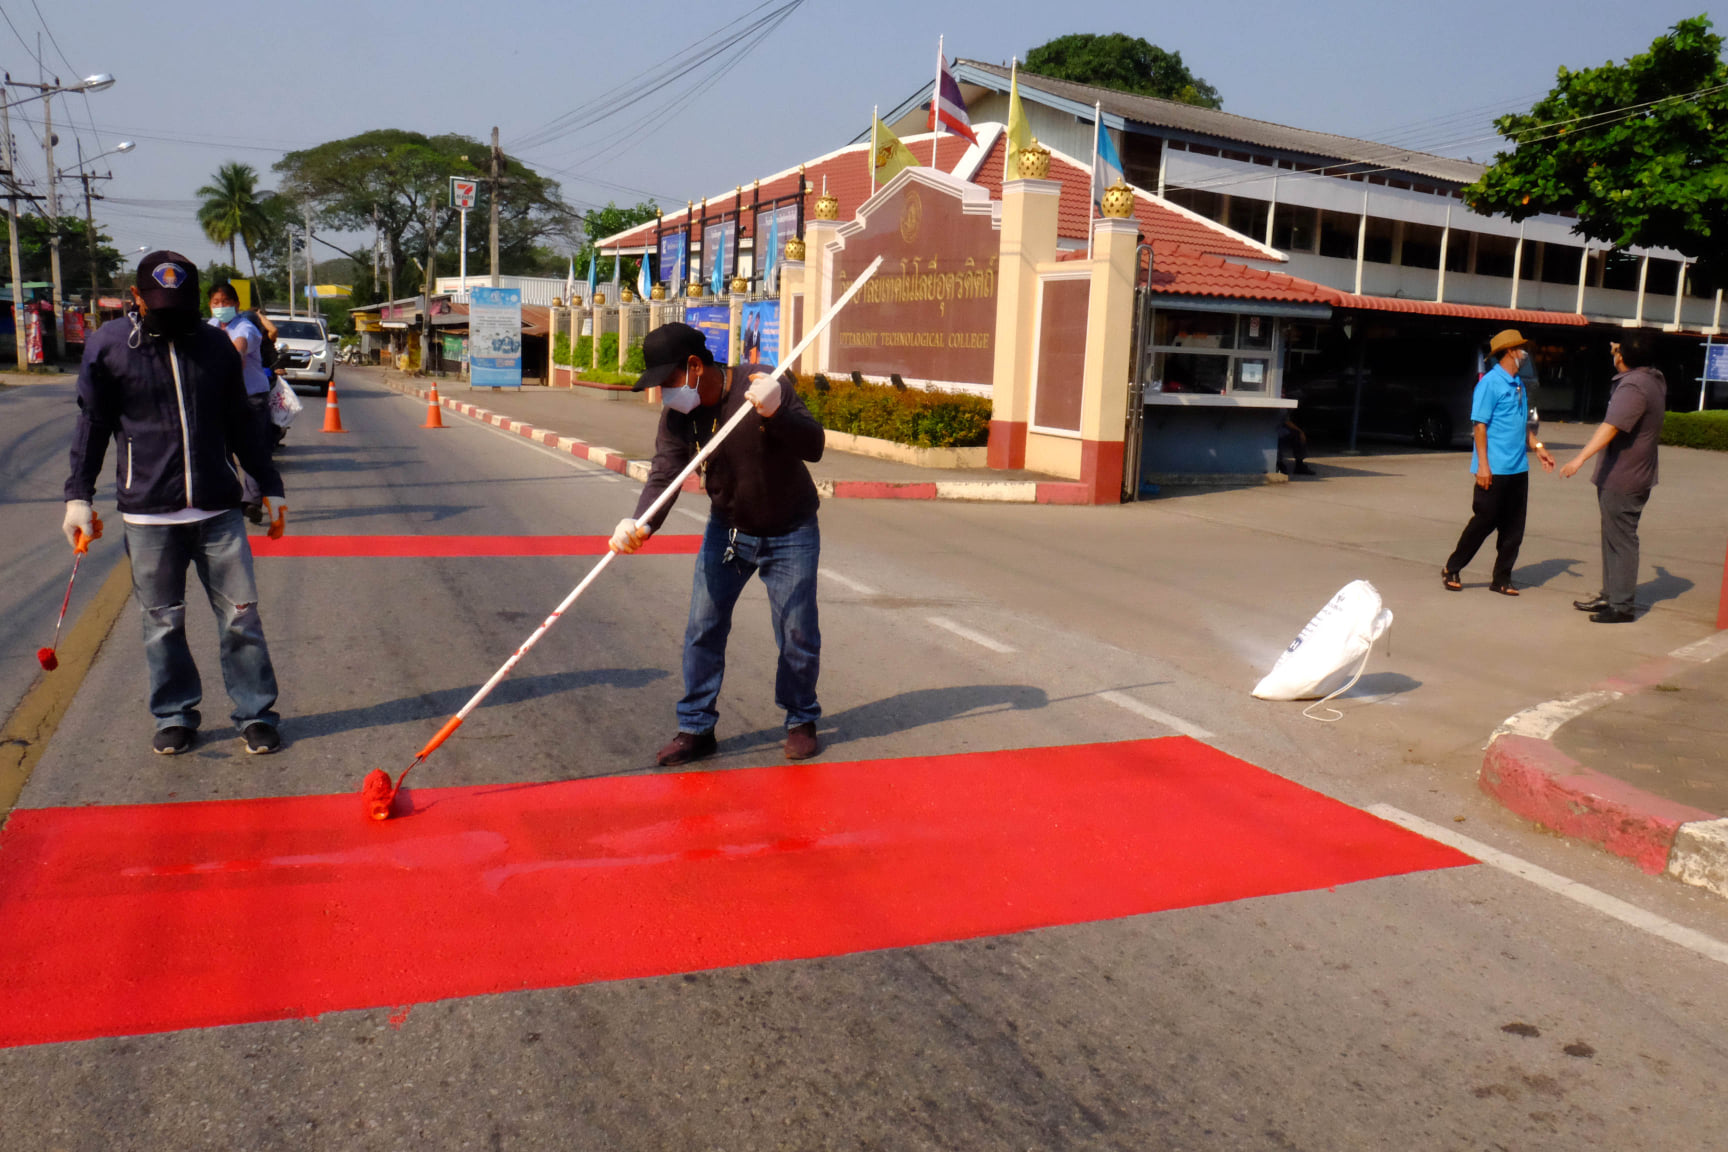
[600, 223]
[230, 211]
[1638, 152]
[1125, 63]
[34, 253]
[404, 177]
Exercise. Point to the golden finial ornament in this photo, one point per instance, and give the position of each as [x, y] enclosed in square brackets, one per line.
[795, 248]
[1033, 163]
[827, 207]
[739, 286]
[1117, 202]
[658, 293]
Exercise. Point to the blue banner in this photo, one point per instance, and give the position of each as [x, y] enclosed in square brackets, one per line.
[759, 333]
[714, 321]
[672, 262]
[495, 337]
[1716, 362]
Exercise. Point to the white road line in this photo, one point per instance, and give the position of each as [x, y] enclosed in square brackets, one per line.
[966, 633]
[1706, 946]
[1156, 715]
[593, 471]
[857, 586]
[1705, 650]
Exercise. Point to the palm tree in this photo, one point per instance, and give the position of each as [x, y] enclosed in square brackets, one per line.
[231, 210]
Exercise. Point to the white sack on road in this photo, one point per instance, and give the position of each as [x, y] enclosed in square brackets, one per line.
[1328, 656]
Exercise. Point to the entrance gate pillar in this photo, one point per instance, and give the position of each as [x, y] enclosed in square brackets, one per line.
[1109, 339]
[1028, 238]
[818, 262]
[792, 297]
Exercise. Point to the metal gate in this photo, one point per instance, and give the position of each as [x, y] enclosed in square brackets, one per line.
[1133, 435]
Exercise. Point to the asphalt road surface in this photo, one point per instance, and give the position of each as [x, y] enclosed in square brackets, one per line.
[1445, 1007]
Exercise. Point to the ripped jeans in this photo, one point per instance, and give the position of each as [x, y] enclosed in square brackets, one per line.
[217, 548]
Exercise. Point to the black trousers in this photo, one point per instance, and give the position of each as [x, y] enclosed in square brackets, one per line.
[1500, 506]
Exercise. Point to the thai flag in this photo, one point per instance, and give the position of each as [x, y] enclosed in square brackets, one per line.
[947, 109]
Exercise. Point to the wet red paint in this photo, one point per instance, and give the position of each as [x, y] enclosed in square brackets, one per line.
[435, 546]
[131, 919]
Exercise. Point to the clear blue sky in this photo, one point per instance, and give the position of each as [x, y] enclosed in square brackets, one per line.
[200, 84]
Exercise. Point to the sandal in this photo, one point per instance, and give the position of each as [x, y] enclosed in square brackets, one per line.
[1503, 589]
[1450, 579]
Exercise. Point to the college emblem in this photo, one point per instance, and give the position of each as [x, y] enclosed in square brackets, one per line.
[911, 215]
[169, 275]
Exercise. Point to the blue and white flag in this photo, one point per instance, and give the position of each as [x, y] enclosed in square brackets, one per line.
[570, 279]
[593, 275]
[771, 262]
[717, 281]
[1106, 165]
[643, 281]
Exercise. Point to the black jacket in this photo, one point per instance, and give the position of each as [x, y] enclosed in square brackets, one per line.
[173, 430]
[756, 479]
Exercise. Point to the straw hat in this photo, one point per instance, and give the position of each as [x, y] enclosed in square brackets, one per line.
[1504, 342]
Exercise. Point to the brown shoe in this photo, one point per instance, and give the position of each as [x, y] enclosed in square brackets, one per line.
[685, 747]
[801, 742]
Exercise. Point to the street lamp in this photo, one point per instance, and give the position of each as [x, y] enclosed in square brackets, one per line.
[84, 177]
[96, 82]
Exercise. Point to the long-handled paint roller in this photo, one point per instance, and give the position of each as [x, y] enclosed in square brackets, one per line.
[377, 793]
[48, 657]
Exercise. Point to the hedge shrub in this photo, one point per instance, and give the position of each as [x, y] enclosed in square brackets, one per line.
[914, 416]
[1696, 430]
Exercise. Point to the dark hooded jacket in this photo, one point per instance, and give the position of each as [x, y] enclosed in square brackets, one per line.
[176, 410]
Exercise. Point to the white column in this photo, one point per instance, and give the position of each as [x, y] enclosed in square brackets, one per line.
[1445, 241]
[1583, 276]
[1716, 318]
[1643, 276]
[1361, 240]
[1517, 266]
[1163, 151]
[1679, 293]
[1271, 211]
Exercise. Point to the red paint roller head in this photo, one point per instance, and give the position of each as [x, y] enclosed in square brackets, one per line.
[377, 794]
[46, 658]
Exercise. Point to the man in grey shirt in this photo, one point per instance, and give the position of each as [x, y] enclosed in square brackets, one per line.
[1626, 472]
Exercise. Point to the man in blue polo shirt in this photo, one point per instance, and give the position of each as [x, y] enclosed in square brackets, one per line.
[1500, 422]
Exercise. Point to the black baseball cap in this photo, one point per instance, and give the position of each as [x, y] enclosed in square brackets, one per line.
[168, 280]
[666, 351]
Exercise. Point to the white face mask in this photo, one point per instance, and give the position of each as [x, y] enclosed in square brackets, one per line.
[683, 398]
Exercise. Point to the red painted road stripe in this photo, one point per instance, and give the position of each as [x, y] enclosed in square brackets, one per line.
[299, 546]
[131, 919]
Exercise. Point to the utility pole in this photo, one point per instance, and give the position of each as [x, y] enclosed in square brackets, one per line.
[497, 174]
[12, 227]
[312, 308]
[426, 285]
[54, 225]
[290, 263]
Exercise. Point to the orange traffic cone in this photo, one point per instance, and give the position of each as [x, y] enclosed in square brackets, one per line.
[434, 416]
[332, 412]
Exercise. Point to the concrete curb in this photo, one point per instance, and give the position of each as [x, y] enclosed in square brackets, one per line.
[1523, 770]
[976, 491]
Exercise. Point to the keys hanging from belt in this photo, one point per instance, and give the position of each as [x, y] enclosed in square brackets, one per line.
[731, 552]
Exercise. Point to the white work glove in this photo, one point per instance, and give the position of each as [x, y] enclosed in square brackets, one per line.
[80, 517]
[764, 394]
[629, 535]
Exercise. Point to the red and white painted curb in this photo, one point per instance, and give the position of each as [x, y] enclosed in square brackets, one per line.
[985, 491]
[1525, 771]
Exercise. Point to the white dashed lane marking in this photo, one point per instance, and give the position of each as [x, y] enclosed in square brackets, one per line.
[1156, 715]
[857, 586]
[966, 633]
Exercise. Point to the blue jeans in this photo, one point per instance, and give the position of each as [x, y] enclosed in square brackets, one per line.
[217, 548]
[787, 565]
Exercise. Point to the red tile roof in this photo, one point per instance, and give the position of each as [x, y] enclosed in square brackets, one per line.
[1474, 311]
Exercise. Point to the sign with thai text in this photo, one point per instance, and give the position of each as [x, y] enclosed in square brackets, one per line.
[495, 337]
[714, 321]
[760, 333]
[672, 260]
[930, 313]
[1716, 362]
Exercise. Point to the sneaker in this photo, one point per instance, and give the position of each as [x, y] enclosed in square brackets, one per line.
[173, 740]
[261, 739]
[801, 742]
[685, 747]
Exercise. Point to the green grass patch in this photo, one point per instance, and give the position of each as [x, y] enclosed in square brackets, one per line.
[1696, 430]
[913, 416]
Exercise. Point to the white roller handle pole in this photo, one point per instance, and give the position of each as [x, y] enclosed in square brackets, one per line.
[664, 498]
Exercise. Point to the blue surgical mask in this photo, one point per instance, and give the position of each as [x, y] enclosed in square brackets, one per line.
[224, 314]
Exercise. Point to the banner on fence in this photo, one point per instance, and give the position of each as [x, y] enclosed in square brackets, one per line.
[495, 337]
[759, 333]
[672, 260]
[715, 323]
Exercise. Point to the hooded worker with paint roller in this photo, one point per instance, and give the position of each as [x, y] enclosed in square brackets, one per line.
[762, 522]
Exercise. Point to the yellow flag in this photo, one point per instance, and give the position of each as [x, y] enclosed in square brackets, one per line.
[242, 293]
[1019, 131]
[889, 155]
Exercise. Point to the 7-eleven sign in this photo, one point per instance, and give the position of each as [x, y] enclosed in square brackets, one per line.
[462, 193]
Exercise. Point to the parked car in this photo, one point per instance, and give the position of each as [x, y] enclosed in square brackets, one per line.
[305, 352]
